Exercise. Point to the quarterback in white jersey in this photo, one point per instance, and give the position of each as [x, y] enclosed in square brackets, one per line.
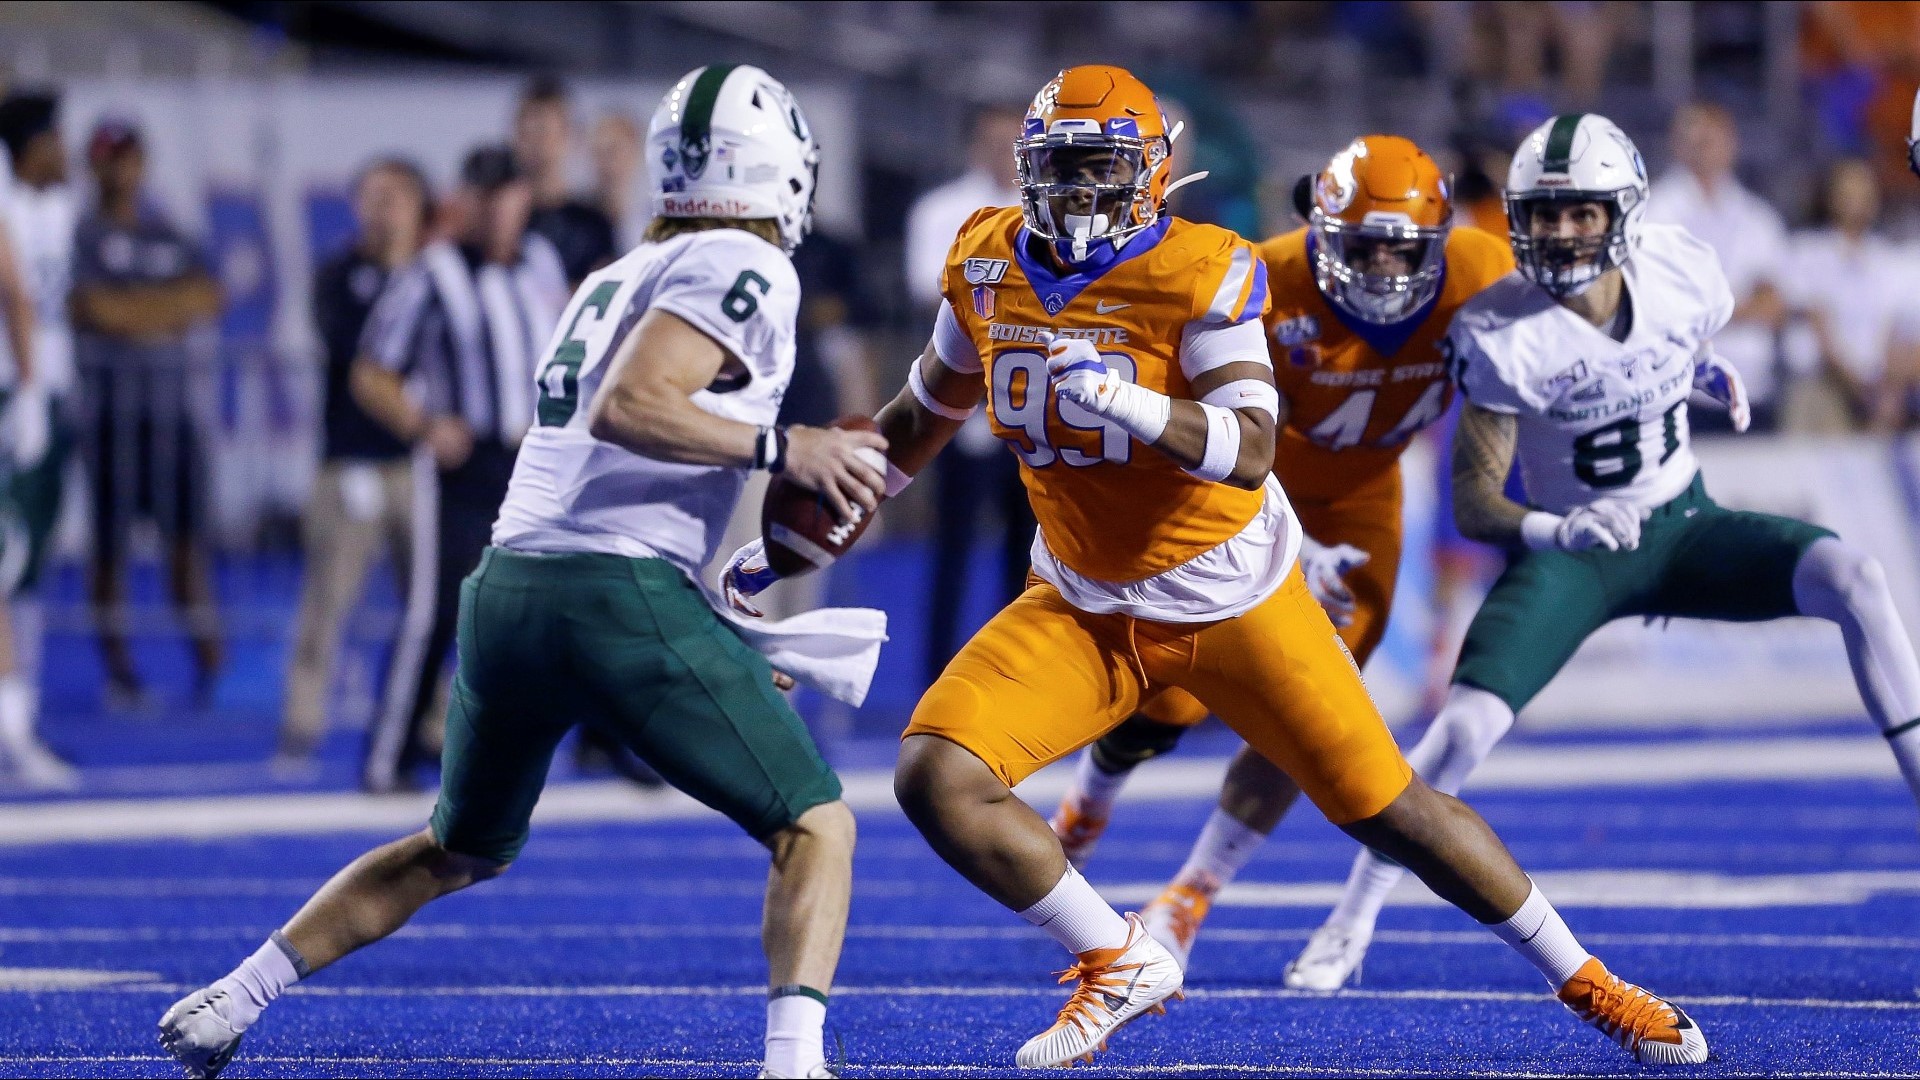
[1582, 361]
[574, 492]
[657, 396]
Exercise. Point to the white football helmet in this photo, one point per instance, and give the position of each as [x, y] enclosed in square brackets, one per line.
[729, 141]
[1579, 157]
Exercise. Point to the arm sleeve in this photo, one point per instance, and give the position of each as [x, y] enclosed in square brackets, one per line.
[738, 290]
[395, 319]
[1205, 346]
[952, 345]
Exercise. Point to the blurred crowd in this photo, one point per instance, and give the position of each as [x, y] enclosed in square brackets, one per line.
[430, 317]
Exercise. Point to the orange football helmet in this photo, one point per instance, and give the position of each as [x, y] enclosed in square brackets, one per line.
[1093, 158]
[1380, 214]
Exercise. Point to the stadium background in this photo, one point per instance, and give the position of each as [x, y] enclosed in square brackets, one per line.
[257, 116]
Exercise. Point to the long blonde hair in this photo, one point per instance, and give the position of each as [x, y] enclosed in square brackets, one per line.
[666, 228]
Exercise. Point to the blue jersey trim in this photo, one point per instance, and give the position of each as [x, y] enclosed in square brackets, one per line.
[1055, 292]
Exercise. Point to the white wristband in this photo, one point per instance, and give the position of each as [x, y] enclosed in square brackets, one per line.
[1540, 531]
[1223, 444]
[933, 404]
[1138, 411]
[897, 481]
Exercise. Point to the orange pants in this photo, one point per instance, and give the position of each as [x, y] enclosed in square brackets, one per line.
[1368, 517]
[1043, 679]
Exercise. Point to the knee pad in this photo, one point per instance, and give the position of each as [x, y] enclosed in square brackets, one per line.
[1137, 739]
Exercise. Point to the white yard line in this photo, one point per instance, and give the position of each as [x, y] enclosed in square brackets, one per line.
[1529, 768]
[115, 935]
[1039, 990]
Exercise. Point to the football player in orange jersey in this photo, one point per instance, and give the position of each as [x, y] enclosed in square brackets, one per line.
[1121, 355]
[1362, 295]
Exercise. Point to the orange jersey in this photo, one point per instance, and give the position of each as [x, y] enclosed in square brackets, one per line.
[1353, 403]
[1108, 508]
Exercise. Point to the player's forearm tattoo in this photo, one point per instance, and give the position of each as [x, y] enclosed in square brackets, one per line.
[1482, 456]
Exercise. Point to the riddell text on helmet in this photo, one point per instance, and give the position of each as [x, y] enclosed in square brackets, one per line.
[705, 206]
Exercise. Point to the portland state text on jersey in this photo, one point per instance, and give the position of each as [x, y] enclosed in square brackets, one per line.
[1583, 397]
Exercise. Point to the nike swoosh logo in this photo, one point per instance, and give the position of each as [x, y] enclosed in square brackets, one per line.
[1102, 307]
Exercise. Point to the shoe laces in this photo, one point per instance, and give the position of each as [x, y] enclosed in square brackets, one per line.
[1627, 1013]
[1097, 982]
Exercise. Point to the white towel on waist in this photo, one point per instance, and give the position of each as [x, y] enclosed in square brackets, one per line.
[833, 650]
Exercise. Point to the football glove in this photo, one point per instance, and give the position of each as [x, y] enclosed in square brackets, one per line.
[1604, 523]
[746, 575]
[1325, 569]
[1079, 375]
[1719, 380]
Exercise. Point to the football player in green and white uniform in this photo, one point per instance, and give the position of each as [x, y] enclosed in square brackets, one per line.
[657, 395]
[37, 212]
[1583, 360]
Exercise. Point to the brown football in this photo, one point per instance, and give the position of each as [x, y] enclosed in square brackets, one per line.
[799, 526]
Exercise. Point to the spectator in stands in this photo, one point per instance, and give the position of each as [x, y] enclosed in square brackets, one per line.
[617, 144]
[1861, 63]
[362, 499]
[1855, 291]
[464, 324]
[543, 132]
[1702, 194]
[974, 472]
[139, 287]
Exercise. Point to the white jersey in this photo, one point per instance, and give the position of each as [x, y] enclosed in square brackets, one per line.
[41, 223]
[1597, 417]
[572, 492]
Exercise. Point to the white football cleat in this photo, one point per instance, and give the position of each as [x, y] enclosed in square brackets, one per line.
[1332, 956]
[198, 1034]
[1115, 987]
[1649, 1027]
[1174, 919]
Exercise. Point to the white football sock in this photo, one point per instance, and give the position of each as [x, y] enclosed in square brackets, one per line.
[1075, 916]
[259, 979]
[1368, 884]
[1224, 846]
[795, 1015]
[1097, 788]
[1538, 933]
[1844, 585]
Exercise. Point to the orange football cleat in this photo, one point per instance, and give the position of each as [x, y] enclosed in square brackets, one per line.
[1652, 1029]
[1077, 827]
[1175, 915]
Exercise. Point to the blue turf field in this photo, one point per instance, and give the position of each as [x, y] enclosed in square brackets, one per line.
[623, 949]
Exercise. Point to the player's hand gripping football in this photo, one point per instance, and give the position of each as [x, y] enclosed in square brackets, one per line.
[1604, 523]
[839, 464]
[1325, 569]
[1721, 381]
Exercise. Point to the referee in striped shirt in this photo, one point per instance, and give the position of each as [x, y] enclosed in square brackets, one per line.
[447, 363]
